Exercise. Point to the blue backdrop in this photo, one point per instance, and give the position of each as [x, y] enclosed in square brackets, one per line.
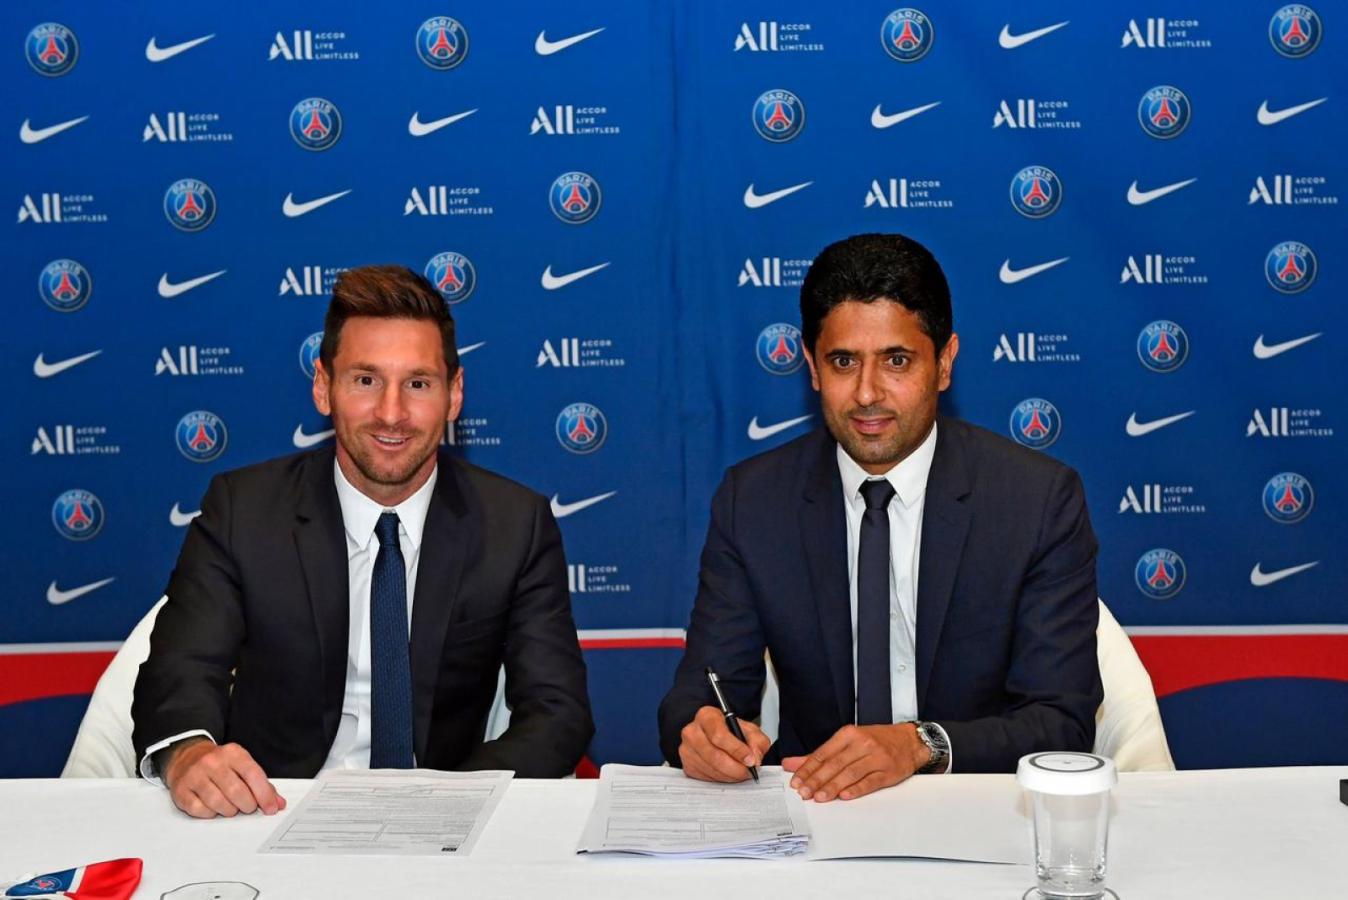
[1137, 212]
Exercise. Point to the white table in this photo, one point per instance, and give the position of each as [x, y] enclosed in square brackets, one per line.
[1253, 833]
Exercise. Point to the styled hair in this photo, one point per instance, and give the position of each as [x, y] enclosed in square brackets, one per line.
[869, 267]
[386, 292]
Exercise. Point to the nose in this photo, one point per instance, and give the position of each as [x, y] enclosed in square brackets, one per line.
[869, 389]
[390, 410]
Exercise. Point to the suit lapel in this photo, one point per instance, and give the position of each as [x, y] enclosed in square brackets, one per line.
[444, 545]
[823, 529]
[320, 541]
[945, 525]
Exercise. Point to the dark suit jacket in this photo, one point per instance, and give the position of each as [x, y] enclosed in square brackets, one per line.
[1006, 601]
[261, 588]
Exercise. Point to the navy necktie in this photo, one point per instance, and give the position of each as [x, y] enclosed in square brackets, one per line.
[390, 666]
[873, 700]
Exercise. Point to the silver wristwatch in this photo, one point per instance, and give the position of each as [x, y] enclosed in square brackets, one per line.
[937, 743]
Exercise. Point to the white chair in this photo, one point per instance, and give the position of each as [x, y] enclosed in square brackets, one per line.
[103, 747]
[1128, 726]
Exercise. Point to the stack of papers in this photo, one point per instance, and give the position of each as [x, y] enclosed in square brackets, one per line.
[662, 812]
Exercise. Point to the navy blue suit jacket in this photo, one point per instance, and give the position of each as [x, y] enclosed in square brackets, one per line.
[1006, 601]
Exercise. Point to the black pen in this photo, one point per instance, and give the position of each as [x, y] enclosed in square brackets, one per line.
[731, 720]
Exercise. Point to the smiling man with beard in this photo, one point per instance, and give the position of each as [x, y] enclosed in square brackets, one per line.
[352, 607]
[926, 589]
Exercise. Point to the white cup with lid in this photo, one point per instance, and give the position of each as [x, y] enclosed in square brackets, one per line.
[1071, 820]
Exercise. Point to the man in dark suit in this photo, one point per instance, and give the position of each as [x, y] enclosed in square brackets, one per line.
[926, 589]
[352, 607]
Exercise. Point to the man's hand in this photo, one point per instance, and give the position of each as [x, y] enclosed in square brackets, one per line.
[206, 780]
[858, 760]
[709, 752]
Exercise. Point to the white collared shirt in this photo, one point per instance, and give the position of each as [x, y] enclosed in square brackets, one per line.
[351, 747]
[909, 480]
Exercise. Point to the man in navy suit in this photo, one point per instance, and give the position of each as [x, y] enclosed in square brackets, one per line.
[926, 589]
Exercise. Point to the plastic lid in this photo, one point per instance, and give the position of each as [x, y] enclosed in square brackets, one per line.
[1066, 773]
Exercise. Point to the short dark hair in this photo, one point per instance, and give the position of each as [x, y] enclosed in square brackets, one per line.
[869, 267]
[386, 292]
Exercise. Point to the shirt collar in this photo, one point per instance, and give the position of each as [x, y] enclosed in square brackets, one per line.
[360, 513]
[909, 475]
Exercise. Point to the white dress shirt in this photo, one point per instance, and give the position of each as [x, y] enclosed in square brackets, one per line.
[351, 747]
[909, 480]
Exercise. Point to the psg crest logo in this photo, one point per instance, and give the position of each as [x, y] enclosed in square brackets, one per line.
[1295, 31]
[315, 124]
[1035, 423]
[309, 354]
[1160, 574]
[64, 285]
[1036, 192]
[201, 436]
[77, 515]
[778, 349]
[574, 198]
[1162, 346]
[778, 116]
[1164, 112]
[442, 43]
[1290, 267]
[189, 204]
[1288, 498]
[452, 274]
[581, 428]
[907, 35]
[52, 49]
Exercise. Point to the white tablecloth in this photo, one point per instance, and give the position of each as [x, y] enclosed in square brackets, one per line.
[1253, 833]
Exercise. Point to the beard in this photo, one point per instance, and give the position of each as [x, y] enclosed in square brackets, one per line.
[389, 473]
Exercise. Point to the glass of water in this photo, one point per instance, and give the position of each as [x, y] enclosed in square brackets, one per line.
[1070, 793]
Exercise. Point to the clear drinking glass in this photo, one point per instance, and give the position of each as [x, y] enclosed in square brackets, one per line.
[1070, 794]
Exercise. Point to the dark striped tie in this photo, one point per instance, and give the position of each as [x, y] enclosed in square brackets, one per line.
[390, 666]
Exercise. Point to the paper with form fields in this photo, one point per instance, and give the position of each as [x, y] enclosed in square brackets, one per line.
[415, 812]
[662, 812]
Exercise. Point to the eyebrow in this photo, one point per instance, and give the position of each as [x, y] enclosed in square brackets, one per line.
[887, 351]
[371, 367]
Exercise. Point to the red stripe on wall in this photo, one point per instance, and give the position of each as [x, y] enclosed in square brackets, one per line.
[1180, 662]
[36, 676]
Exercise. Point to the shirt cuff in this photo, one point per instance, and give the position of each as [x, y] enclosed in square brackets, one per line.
[147, 766]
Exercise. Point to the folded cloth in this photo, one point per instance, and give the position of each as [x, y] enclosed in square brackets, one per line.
[115, 879]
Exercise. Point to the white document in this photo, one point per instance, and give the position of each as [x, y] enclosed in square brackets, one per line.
[973, 818]
[414, 812]
[660, 811]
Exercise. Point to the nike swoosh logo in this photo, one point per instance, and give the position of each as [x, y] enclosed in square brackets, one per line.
[545, 47]
[1011, 41]
[158, 54]
[305, 441]
[754, 201]
[1137, 429]
[1263, 579]
[464, 351]
[44, 369]
[1268, 351]
[56, 596]
[552, 282]
[180, 519]
[1137, 197]
[1273, 117]
[880, 120]
[1009, 275]
[30, 135]
[562, 510]
[293, 209]
[168, 289]
[762, 432]
[418, 128]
